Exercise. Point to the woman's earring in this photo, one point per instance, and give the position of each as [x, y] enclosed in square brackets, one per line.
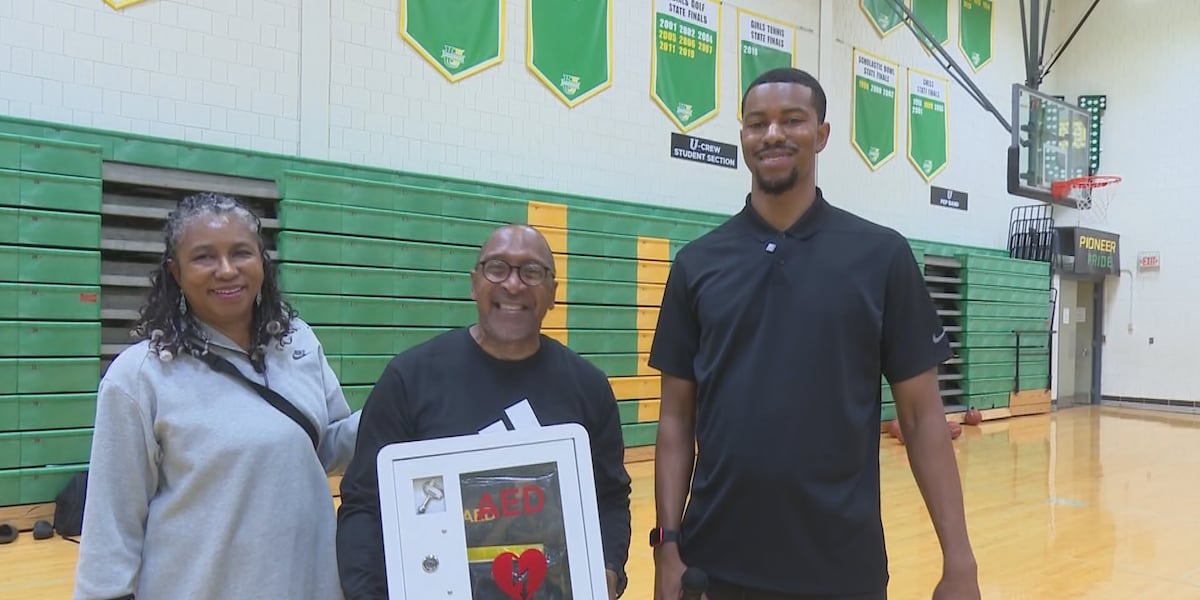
[182, 305]
[258, 299]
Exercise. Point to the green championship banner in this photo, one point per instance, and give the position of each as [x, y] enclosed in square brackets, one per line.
[928, 139]
[873, 128]
[975, 32]
[683, 67]
[935, 16]
[458, 37]
[570, 47]
[765, 45]
[882, 14]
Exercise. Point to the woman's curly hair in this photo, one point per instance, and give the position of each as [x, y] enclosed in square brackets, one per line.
[172, 331]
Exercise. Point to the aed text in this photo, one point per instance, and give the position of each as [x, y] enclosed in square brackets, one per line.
[514, 502]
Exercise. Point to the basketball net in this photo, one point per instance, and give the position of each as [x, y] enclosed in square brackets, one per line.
[1090, 196]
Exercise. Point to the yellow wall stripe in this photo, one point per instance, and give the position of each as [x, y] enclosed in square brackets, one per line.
[654, 262]
[551, 220]
[648, 411]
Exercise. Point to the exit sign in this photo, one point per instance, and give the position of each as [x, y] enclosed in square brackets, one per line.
[1148, 261]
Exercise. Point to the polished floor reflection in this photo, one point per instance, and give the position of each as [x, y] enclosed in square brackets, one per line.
[1082, 503]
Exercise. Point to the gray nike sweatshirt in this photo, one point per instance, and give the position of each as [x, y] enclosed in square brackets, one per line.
[199, 489]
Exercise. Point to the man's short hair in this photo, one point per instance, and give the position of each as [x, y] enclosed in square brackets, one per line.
[792, 75]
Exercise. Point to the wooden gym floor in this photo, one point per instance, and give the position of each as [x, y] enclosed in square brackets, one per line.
[1083, 503]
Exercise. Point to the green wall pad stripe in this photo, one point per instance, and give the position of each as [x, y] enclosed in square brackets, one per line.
[49, 375]
[50, 156]
[44, 448]
[976, 387]
[608, 221]
[51, 192]
[1005, 310]
[29, 227]
[356, 395]
[887, 413]
[639, 434]
[972, 340]
[1007, 280]
[982, 356]
[387, 224]
[298, 278]
[347, 192]
[35, 486]
[48, 338]
[615, 365]
[1004, 325]
[306, 183]
[1033, 368]
[49, 302]
[365, 252]
[336, 340]
[1004, 264]
[49, 265]
[359, 369]
[581, 291]
[629, 411]
[994, 294]
[47, 411]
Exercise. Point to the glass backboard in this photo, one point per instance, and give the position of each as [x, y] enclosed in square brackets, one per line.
[1050, 142]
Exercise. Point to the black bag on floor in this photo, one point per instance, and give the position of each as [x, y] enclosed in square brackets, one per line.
[68, 506]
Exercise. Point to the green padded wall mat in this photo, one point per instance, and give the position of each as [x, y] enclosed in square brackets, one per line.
[49, 302]
[49, 192]
[48, 338]
[49, 265]
[47, 411]
[39, 155]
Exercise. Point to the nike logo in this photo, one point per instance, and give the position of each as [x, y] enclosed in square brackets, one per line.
[937, 338]
[299, 354]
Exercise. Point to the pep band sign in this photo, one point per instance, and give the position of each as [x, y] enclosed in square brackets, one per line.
[506, 515]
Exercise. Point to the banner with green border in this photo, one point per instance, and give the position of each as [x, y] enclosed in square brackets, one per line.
[928, 135]
[570, 47]
[685, 65]
[458, 37]
[975, 29]
[763, 44]
[873, 126]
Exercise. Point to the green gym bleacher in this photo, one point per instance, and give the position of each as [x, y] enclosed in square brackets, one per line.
[50, 197]
[377, 261]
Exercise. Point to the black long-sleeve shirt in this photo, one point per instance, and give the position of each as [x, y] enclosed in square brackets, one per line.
[449, 386]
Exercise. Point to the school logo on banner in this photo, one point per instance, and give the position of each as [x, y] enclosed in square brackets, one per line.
[975, 32]
[684, 67]
[873, 127]
[570, 47]
[928, 139]
[459, 39]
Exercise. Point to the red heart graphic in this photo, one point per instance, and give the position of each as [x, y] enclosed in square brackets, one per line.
[520, 577]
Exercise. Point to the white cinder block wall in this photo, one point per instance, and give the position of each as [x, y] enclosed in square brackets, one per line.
[1141, 55]
[388, 106]
[216, 71]
[896, 194]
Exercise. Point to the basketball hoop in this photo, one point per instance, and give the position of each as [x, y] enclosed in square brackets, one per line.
[1091, 194]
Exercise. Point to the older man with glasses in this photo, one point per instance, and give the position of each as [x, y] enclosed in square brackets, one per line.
[462, 382]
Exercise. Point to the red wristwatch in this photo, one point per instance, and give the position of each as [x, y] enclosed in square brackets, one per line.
[660, 536]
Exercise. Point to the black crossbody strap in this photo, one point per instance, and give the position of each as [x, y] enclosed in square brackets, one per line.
[272, 397]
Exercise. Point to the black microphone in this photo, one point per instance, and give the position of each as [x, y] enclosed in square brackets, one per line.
[695, 583]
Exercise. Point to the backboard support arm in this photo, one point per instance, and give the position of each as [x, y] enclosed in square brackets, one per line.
[956, 72]
[1058, 52]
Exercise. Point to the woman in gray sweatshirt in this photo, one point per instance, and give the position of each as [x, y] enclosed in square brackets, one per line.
[198, 487]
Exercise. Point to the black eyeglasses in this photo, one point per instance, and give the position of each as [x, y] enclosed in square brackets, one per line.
[531, 274]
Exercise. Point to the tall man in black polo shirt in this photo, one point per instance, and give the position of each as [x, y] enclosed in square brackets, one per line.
[774, 332]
